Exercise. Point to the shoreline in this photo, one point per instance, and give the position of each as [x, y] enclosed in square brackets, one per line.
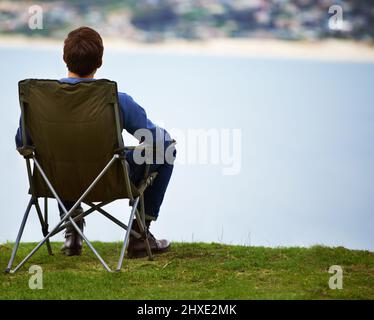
[328, 50]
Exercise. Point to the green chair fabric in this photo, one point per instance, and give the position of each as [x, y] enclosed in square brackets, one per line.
[76, 130]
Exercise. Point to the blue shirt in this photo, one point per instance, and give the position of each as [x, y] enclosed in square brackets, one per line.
[133, 115]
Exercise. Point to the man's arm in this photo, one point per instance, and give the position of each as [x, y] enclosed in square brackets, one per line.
[19, 137]
[19, 143]
[135, 118]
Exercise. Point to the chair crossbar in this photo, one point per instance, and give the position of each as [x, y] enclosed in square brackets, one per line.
[113, 219]
[67, 220]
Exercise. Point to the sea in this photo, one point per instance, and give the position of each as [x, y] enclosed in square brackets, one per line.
[295, 138]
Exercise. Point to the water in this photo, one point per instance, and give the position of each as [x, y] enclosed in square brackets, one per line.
[307, 146]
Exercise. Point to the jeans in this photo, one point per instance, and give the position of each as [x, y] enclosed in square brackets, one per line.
[153, 195]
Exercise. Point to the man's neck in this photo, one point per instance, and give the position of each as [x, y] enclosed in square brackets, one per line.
[74, 75]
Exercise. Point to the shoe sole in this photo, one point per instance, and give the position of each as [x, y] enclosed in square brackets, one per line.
[70, 252]
[143, 253]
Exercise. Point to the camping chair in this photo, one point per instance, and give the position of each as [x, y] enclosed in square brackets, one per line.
[78, 155]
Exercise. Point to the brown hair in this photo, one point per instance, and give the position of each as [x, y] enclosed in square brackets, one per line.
[83, 51]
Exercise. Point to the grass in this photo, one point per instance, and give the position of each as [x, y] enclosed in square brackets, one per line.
[194, 271]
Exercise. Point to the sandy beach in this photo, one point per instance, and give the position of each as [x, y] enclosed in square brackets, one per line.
[336, 50]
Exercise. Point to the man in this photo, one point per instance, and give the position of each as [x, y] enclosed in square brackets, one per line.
[83, 52]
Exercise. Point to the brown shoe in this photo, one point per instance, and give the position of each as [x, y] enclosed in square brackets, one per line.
[73, 241]
[136, 247]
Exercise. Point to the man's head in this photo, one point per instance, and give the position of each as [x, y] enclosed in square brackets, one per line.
[83, 51]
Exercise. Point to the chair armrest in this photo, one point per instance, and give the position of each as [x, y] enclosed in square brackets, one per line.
[130, 148]
[26, 151]
[141, 147]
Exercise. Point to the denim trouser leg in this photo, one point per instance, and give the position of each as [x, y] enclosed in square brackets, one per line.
[153, 195]
[68, 205]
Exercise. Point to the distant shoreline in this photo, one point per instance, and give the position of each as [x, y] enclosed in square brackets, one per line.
[330, 50]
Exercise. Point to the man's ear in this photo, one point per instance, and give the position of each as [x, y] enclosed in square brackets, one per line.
[99, 64]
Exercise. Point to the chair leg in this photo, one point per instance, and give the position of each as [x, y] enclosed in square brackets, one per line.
[19, 236]
[140, 217]
[37, 247]
[67, 215]
[89, 244]
[44, 226]
[143, 231]
[146, 242]
[127, 235]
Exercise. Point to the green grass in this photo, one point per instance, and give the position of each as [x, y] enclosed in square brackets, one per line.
[194, 271]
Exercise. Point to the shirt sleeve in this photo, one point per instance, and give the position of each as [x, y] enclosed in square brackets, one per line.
[135, 118]
[19, 136]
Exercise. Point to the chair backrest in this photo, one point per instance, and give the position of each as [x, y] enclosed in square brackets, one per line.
[75, 129]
